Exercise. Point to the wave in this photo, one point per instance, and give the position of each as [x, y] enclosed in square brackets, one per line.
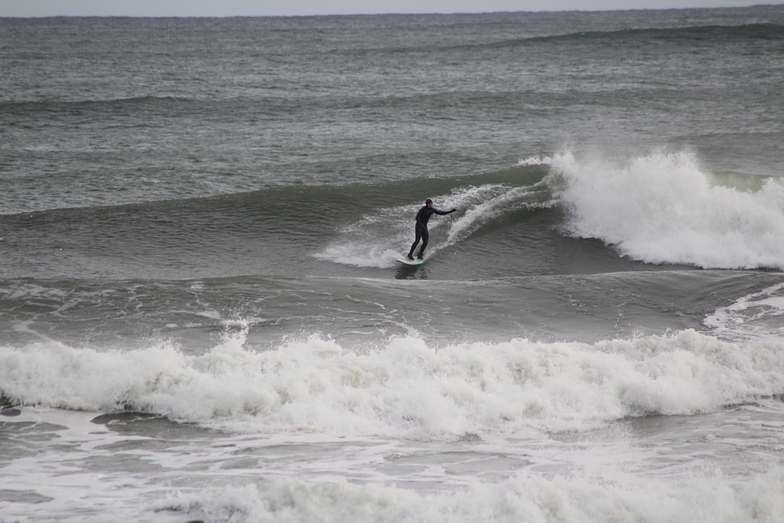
[715, 33]
[25, 106]
[603, 495]
[700, 32]
[664, 209]
[405, 387]
[660, 208]
[691, 34]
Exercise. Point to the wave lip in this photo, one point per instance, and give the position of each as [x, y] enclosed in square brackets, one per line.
[663, 208]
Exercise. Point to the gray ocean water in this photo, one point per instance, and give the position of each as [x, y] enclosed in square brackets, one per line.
[202, 317]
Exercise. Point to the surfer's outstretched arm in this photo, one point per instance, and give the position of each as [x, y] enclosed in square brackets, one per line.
[444, 212]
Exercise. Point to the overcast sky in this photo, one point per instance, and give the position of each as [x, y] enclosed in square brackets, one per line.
[322, 7]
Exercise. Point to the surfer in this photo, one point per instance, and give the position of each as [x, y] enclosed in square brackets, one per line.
[420, 229]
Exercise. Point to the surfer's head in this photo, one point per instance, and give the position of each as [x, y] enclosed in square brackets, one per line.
[429, 202]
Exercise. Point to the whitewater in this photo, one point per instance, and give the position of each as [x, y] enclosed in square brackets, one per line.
[405, 389]
[665, 208]
[397, 419]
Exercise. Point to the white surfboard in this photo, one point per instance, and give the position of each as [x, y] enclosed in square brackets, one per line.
[406, 261]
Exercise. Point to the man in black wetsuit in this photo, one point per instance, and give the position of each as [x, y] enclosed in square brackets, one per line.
[420, 230]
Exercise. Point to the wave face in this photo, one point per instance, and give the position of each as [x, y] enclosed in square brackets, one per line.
[574, 213]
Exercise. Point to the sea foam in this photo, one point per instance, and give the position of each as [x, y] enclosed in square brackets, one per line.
[403, 388]
[606, 496]
[663, 208]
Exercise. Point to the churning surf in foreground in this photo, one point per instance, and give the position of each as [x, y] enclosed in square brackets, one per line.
[202, 317]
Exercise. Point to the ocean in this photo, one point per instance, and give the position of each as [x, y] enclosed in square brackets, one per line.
[201, 314]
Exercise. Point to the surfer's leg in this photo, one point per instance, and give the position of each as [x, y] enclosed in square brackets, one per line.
[418, 235]
[425, 237]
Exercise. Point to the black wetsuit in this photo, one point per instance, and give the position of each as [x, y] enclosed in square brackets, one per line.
[420, 230]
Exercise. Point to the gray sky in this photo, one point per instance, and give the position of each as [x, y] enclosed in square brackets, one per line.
[322, 7]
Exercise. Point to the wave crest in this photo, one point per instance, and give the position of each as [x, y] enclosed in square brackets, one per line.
[663, 208]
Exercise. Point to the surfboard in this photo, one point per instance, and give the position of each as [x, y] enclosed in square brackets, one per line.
[413, 262]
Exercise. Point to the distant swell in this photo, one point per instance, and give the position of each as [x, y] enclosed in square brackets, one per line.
[26, 106]
[763, 31]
